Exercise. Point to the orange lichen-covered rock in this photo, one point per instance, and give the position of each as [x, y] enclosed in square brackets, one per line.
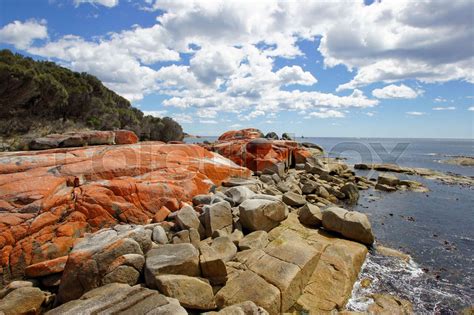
[248, 148]
[50, 198]
[125, 137]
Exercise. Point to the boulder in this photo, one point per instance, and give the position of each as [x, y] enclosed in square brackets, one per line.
[97, 255]
[239, 194]
[262, 214]
[191, 292]
[293, 199]
[254, 240]
[125, 137]
[15, 285]
[187, 218]
[73, 139]
[272, 135]
[351, 224]
[217, 217]
[384, 187]
[310, 215]
[388, 179]
[213, 258]
[25, 300]
[171, 259]
[117, 298]
[50, 198]
[46, 268]
[159, 235]
[248, 286]
[351, 193]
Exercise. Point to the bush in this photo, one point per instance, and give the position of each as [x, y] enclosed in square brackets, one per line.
[43, 92]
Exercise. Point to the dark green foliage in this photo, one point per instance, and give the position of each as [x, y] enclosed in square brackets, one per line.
[38, 93]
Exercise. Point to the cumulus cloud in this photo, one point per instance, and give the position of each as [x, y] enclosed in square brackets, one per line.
[22, 34]
[415, 113]
[232, 46]
[444, 108]
[105, 3]
[396, 91]
[155, 113]
[471, 108]
[327, 113]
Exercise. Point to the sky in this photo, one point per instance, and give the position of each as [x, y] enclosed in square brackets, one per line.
[402, 69]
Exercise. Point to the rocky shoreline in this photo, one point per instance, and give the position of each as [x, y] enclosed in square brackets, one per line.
[247, 225]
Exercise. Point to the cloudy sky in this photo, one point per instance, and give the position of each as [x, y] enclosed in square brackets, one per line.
[313, 68]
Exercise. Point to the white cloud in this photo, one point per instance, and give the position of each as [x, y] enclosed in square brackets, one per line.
[22, 34]
[396, 91]
[183, 118]
[440, 100]
[444, 108]
[415, 113]
[295, 75]
[471, 109]
[106, 3]
[327, 113]
[208, 121]
[370, 114]
[155, 113]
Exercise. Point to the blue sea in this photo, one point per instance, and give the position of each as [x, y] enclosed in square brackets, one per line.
[435, 228]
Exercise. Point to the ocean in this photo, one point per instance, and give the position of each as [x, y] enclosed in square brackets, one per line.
[435, 228]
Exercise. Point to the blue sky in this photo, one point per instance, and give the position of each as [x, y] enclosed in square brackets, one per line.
[374, 69]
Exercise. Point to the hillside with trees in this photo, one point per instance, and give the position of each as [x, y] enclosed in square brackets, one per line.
[40, 97]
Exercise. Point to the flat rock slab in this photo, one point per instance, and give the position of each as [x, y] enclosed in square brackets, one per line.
[123, 299]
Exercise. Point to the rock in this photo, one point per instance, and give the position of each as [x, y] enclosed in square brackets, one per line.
[310, 215]
[386, 251]
[15, 285]
[53, 197]
[91, 259]
[171, 259]
[248, 286]
[351, 193]
[387, 179]
[267, 179]
[122, 274]
[73, 139]
[239, 194]
[125, 137]
[116, 298]
[309, 187]
[294, 200]
[232, 182]
[24, 300]
[217, 217]
[254, 240]
[287, 136]
[330, 285]
[249, 133]
[460, 160]
[274, 169]
[272, 135]
[244, 308]
[187, 218]
[283, 187]
[386, 188]
[351, 224]
[191, 292]
[213, 258]
[312, 146]
[159, 235]
[385, 304]
[46, 268]
[261, 214]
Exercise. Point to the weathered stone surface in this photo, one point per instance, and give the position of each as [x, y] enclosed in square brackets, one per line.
[13, 286]
[351, 193]
[248, 286]
[239, 194]
[73, 139]
[330, 285]
[351, 224]
[187, 218]
[388, 179]
[50, 198]
[122, 274]
[159, 235]
[262, 214]
[171, 259]
[248, 148]
[293, 199]
[385, 304]
[272, 135]
[191, 292]
[217, 217]
[254, 240]
[116, 298]
[125, 137]
[98, 255]
[244, 308]
[46, 268]
[310, 215]
[386, 188]
[25, 300]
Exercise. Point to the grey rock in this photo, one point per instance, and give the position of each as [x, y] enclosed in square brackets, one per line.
[122, 274]
[159, 235]
[217, 217]
[350, 224]
[171, 259]
[351, 193]
[287, 136]
[272, 135]
[239, 194]
[388, 179]
[23, 300]
[244, 308]
[267, 179]
[293, 199]
[187, 218]
[310, 215]
[260, 214]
